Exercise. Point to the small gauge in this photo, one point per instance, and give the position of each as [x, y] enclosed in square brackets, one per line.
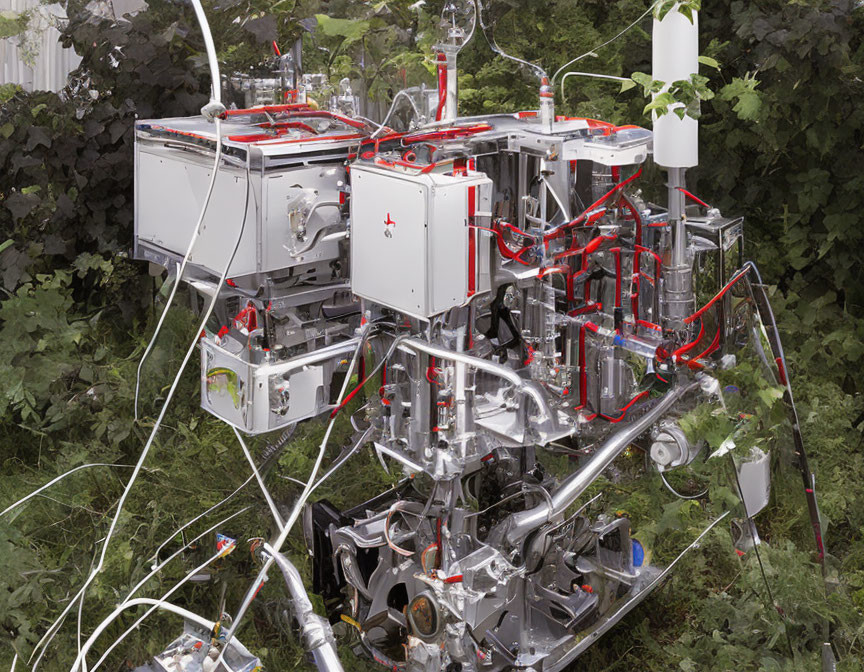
[424, 617]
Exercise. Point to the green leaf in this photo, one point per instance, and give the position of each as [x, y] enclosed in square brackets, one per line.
[351, 29]
[625, 86]
[710, 62]
[660, 104]
[748, 101]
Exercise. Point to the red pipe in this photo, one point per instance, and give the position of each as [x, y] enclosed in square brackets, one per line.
[442, 86]
[687, 347]
[693, 198]
[718, 296]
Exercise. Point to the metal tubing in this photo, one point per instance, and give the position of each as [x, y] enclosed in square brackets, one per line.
[315, 631]
[522, 523]
[525, 386]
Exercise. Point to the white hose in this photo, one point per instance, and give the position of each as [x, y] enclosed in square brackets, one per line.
[156, 426]
[295, 513]
[157, 604]
[273, 510]
[157, 568]
[60, 478]
[216, 96]
[600, 46]
[155, 556]
[80, 662]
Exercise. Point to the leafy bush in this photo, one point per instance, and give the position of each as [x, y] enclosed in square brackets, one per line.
[783, 133]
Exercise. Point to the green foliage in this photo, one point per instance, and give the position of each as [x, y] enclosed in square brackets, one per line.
[783, 134]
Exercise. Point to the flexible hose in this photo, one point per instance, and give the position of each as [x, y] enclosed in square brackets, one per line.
[154, 431]
[80, 662]
[267, 496]
[216, 96]
[60, 478]
[298, 507]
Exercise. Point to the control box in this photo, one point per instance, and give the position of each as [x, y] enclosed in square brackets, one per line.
[292, 197]
[415, 242]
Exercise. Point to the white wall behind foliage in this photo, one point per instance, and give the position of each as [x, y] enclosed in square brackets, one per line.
[49, 63]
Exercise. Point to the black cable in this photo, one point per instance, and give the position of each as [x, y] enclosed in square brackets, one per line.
[750, 528]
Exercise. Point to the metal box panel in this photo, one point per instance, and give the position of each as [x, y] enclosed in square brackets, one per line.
[170, 190]
[409, 239]
[170, 186]
[259, 398]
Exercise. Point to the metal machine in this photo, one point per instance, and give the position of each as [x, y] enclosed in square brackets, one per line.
[503, 288]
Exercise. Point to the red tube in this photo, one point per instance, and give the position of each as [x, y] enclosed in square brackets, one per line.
[442, 86]
[626, 408]
[600, 201]
[592, 246]
[267, 109]
[552, 270]
[349, 397]
[472, 243]
[687, 347]
[446, 133]
[693, 198]
[693, 363]
[718, 296]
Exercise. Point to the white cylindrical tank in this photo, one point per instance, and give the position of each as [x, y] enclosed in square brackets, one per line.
[675, 56]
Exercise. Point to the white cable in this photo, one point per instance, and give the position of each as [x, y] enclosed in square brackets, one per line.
[155, 556]
[600, 46]
[157, 568]
[192, 241]
[157, 604]
[573, 73]
[215, 95]
[14, 662]
[80, 661]
[273, 510]
[60, 478]
[156, 426]
[383, 124]
[215, 79]
[493, 45]
[307, 492]
[295, 513]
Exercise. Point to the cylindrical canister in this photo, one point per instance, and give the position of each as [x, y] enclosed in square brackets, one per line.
[675, 56]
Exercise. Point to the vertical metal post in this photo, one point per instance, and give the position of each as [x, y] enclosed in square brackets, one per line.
[451, 105]
[678, 297]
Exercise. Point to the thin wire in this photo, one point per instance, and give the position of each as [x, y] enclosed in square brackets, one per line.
[595, 75]
[80, 663]
[383, 124]
[539, 71]
[157, 568]
[156, 426]
[600, 46]
[60, 478]
[216, 95]
[283, 535]
[675, 492]
[155, 556]
[750, 527]
[273, 510]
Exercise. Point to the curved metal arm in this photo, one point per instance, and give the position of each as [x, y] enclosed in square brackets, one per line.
[520, 524]
[528, 387]
[315, 631]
